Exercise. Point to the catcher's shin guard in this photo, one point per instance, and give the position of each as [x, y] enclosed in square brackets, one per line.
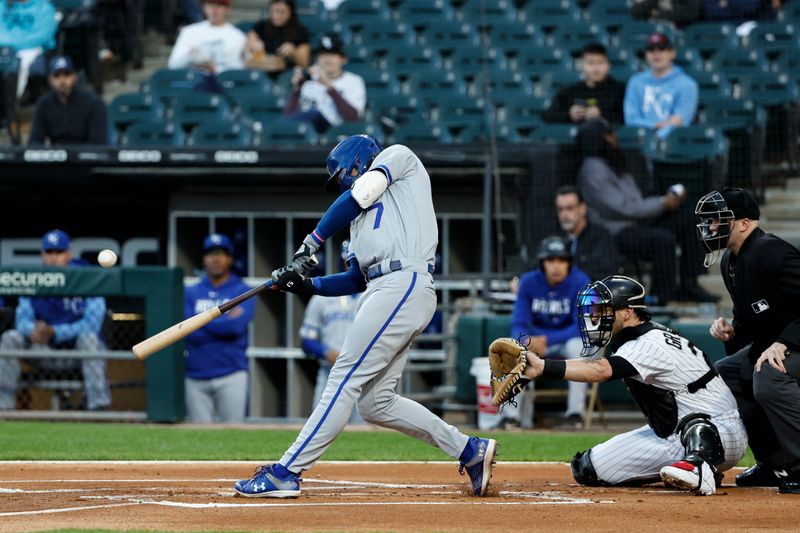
[700, 438]
[583, 470]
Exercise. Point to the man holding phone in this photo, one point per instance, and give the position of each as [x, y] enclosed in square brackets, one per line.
[597, 96]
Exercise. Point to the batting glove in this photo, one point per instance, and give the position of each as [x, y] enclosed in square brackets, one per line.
[304, 260]
[289, 280]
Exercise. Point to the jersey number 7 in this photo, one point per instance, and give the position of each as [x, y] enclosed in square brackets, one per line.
[378, 215]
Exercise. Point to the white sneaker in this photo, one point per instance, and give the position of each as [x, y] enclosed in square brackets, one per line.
[686, 476]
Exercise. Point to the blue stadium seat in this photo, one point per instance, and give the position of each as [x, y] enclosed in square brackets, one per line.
[422, 14]
[692, 143]
[156, 134]
[233, 81]
[407, 60]
[610, 14]
[357, 14]
[168, 83]
[740, 64]
[396, 111]
[421, 133]
[554, 134]
[712, 85]
[536, 62]
[260, 109]
[518, 129]
[526, 109]
[633, 36]
[709, 37]
[246, 25]
[484, 15]
[574, 36]
[9, 62]
[773, 39]
[447, 38]
[459, 110]
[690, 60]
[503, 85]
[126, 109]
[193, 108]
[338, 133]
[219, 134]
[554, 81]
[624, 63]
[517, 37]
[433, 83]
[73, 4]
[770, 90]
[381, 35]
[551, 13]
[288, 133]
[473, 63]
[379, 82]
[634, 137]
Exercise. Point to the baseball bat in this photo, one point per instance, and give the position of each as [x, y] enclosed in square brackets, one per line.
[173, 334]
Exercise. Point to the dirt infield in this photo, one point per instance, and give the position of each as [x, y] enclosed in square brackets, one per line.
[364, 497]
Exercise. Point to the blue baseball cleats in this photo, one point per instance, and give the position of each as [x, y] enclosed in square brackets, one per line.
[478, 459]
[266, 483]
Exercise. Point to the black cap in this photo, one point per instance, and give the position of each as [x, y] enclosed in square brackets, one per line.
[330, 43]
[658, 41]
[742, 203]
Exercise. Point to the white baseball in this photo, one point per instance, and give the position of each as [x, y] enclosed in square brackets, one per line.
[107, 258]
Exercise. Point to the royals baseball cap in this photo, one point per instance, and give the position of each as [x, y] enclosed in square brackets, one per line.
[218, 241]
[330, 44]
[658, 41]
[61, 64]
[55, 240]
[741, 202]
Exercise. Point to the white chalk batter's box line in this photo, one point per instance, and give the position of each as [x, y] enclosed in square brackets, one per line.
[322, 484]
[256, 463]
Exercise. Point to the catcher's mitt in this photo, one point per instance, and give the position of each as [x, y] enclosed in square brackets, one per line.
[507, 360]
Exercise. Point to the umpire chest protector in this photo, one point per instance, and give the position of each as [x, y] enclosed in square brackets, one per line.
[657, 404]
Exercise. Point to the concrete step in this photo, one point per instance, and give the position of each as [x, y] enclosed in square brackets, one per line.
[781, 211]
[793, 184]
[792, 237]
[780, 195]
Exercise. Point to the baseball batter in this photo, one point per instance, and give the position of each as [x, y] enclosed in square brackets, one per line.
[385, 198]
[694, 431]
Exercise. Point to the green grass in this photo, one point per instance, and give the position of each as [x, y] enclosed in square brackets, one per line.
[71, 441]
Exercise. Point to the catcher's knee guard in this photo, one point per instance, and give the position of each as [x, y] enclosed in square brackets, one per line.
[583, 470]
[700, 438]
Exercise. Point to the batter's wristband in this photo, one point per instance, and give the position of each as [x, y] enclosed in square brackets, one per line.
[554, 368]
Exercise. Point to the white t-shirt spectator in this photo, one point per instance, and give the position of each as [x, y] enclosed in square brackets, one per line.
[203, 43]
[315, 95]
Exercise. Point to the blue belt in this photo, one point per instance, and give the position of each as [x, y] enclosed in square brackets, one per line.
[375, 271]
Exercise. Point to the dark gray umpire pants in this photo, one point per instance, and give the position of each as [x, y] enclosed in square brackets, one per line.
[769, 404]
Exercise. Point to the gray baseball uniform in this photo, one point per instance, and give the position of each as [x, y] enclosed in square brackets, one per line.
[394, 241]
[670, 362]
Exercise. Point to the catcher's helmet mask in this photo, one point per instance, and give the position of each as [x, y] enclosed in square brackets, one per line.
[597, 303]
[714, 228]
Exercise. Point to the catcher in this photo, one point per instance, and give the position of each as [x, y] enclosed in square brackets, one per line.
[693, 430]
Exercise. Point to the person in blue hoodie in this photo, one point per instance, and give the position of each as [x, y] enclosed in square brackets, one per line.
[28, 26]
[216, 364]
[58, 323]
[545, 318]
[663, 97]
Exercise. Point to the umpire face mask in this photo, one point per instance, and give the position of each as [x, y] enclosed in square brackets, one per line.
[714, 228]
[595, 317]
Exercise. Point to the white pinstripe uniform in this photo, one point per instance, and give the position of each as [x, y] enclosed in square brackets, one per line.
[640, 454]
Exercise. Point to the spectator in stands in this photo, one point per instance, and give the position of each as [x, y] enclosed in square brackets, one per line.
[663, 97]
[739, 11]
[325, 325]
[545, 317]
[326, 95]
[597, 95]
[68, 114]
[57, 323]
[213, 45]
[643, 227]
[679, 12]
[592, 247]
[28, 26]
[216, 363]
[280, 42]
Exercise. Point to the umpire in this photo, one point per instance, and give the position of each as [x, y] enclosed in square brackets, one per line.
[762, 275]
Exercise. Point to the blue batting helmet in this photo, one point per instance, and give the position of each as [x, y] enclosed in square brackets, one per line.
[355, 152]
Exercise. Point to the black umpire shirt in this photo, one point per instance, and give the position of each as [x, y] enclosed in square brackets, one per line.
[764, 283]
[81, 120]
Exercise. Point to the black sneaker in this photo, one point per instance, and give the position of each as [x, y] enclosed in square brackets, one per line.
[759, 475]
[791, 483]
[574, 421]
